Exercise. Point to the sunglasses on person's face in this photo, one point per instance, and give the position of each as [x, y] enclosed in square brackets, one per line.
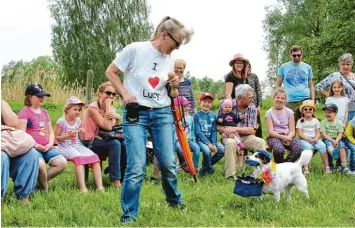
[109, 93]
[296, 55]
[177, 44]
[307, 109]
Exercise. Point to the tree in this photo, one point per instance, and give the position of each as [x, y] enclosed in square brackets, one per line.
[323, 28]
[87, 34]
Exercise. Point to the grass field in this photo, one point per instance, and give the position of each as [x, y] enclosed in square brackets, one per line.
[210, 202]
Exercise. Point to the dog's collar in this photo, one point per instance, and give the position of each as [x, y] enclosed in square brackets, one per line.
[270, 173]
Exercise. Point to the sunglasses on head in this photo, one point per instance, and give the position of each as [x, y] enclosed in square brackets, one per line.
[109, 93]
[307, 109]
[177, 44]
[296, 55]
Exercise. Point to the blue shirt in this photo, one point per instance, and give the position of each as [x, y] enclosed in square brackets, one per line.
[205, 127]
[296, 80]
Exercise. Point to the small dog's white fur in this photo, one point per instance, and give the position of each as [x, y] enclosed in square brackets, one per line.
[288, 174]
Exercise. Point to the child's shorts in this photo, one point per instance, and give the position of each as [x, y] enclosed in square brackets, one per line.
[49, 156]
[329, 143]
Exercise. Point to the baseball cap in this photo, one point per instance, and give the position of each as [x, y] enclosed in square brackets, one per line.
[36, 90]
[204, 95]
[331, 107]
[74, 100]
[181, 100]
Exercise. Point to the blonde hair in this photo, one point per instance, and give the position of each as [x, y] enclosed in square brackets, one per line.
[279, 90]
[340, 83]
[171, 25]
[69, 106]
[181, 61]
[103, 86]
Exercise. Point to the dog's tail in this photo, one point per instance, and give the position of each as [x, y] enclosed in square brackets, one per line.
[305, 158]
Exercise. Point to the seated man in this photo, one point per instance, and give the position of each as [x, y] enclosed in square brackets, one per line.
[247, 113]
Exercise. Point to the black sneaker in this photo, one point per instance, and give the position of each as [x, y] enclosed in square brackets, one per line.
[180, 206]
[153, 180]
[106, 169]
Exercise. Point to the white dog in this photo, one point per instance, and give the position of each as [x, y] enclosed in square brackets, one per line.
[284, 177]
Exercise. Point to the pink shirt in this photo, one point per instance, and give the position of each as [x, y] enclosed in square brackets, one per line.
[37, 124]
[90, 126]
[280, 119]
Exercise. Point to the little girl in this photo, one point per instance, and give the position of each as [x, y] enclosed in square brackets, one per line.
[229, 118]
[66, 132]
[337, 97]
[38, 125]
[308, 129]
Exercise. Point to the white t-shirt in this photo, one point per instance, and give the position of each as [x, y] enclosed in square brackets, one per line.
[341, 103]
[145, 73]
[308, 127]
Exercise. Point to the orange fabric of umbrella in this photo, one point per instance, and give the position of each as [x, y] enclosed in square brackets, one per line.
[182, 138]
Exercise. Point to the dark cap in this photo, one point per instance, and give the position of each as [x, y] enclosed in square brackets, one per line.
[36, 90]
[331, 107]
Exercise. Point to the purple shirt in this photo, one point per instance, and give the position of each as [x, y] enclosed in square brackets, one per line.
[280, 119]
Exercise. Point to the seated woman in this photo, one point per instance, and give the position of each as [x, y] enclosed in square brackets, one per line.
[23, 169]
[101, 114]
[280, 123]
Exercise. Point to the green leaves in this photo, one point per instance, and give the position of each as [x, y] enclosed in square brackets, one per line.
[324, 29]
[88, 34]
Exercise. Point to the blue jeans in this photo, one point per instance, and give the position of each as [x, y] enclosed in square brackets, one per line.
[23, 170]
[351, 146]
[319, 146]
[159, 124]
[110, 148]
[209, 161]
[195, 149]
[49, 156]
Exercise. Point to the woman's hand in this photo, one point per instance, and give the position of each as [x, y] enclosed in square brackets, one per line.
[108, 103]
[128, 98]
[81, 130]
[174, 82]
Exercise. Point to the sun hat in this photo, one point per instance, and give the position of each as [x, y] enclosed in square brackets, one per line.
[204, 95]
[36, 90]
[331, 107]
[180, 101]
[238, 57]
[74, 100]
[308, 103]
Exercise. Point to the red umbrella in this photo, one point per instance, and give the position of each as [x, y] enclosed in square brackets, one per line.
[180, 131]
[182, 139]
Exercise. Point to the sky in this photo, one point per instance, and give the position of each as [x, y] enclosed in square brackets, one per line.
[221, 29]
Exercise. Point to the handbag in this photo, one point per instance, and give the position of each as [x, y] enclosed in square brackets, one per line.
[115, 133]
[16, 142]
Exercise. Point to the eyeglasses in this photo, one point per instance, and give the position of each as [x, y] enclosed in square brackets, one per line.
[109, 93]
[177, 44]
[307, 109]
[296, 55]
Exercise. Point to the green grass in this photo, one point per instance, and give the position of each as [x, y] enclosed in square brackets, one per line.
[210, 202]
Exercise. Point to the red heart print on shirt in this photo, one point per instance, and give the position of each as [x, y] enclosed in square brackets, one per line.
[153, 81]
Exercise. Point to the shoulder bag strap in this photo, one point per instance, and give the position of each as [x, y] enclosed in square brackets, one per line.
[347, 81]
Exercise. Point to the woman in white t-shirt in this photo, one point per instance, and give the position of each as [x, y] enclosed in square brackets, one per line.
[308, 129]
[146, 66]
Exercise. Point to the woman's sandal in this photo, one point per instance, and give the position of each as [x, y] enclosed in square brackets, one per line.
[101, 189]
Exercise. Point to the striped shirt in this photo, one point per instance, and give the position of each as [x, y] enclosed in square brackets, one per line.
[185, 89]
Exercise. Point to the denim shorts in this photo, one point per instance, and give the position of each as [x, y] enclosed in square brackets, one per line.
[49, 156]
[329, 143]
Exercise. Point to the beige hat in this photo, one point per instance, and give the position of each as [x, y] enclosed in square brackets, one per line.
[307, 103]
[238, 57]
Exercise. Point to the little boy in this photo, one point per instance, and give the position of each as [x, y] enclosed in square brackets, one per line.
[206, 135]
[332, 132]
